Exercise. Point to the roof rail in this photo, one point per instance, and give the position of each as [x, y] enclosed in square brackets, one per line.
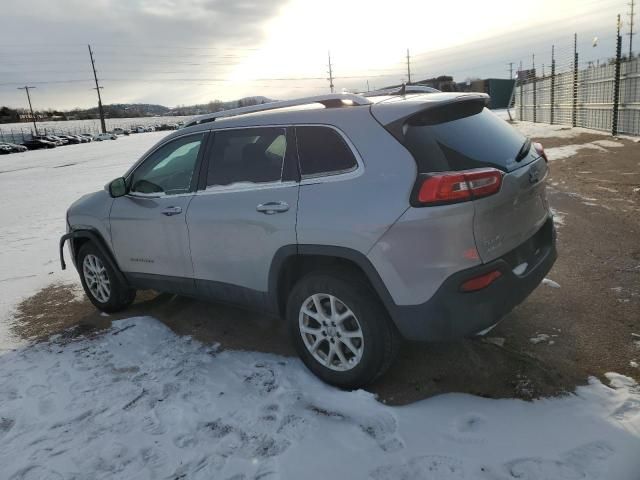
[330, 100]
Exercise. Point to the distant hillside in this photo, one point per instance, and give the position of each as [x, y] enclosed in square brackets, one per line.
[129, 110]
[217, 106]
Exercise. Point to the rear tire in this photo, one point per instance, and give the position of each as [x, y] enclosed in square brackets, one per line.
[350, 312]
[100, 281]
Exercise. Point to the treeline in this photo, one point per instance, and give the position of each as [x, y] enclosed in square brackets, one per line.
[9, 115]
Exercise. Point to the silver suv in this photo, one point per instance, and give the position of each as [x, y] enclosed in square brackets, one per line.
[360, 220]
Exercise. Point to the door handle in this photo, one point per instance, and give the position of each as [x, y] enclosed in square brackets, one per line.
[169, 211]
[270, 208]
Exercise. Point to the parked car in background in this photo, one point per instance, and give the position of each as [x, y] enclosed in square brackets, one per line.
[139, 129]
[150, 128]
[105, 136]
[82, 139]
[121, 131]
[422, 217]
[167, 126]
[59, 139]
[87, 136]
[15, 148]
[50, 138]
[38, 143]
[70, 138]
[5, 149]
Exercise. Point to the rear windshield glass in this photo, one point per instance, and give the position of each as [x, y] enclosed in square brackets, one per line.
[460, 137]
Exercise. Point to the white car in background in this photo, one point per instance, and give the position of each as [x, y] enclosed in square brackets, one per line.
[105, 136]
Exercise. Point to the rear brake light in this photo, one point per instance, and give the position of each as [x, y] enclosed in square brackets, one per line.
[480, 282]
[453, 187]
[540, 151]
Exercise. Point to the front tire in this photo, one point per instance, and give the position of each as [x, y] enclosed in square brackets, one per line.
[340, 329]
[100, 282]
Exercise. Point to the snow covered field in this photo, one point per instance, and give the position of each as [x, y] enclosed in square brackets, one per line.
[91, 126]
[141, 402]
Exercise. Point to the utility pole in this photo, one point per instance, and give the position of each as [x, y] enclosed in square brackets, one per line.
[631, 33]
[33, 116]
[368, 89]
[408, 68]
[510, 70]
[330, 74]
[97, 89]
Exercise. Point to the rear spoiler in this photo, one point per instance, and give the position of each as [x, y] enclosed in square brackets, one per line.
[393, 115]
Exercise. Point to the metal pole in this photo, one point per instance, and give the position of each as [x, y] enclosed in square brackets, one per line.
[575, 81]
[553, 81]
[521, 92]
[616, 83]
[33, 117]
[535, 93]
[408, 68]
[330, 74]
[97, 89]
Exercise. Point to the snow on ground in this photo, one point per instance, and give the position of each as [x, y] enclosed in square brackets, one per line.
[544, 130]
[36, 188]
[140, 402]
[550, 283]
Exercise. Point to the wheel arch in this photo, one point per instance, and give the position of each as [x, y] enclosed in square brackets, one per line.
[292, 262]
[77, 238]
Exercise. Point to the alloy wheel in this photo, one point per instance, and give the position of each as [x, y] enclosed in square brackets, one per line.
[331, 332]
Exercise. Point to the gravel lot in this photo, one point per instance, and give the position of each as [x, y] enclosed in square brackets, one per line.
[548, 345]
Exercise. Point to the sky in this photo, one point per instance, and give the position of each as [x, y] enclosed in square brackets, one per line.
[181, 52]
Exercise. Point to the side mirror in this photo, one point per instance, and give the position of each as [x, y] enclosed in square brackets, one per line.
[118, 187]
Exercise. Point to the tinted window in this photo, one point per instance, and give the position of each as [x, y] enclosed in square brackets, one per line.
[322, 150]
[462, 136]
[169, 169]
[254, 155]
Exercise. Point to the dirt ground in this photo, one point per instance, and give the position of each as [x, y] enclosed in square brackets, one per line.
[548, 345]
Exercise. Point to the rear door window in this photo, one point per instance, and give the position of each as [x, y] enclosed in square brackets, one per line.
[323, 151]
[251, 155]
[463, 136]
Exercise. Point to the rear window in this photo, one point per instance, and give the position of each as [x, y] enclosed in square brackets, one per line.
[462, 136]
[323, 151]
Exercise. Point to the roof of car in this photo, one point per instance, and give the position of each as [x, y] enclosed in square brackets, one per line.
[324, 110]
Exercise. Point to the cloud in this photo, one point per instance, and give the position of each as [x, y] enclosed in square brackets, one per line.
[137, 43]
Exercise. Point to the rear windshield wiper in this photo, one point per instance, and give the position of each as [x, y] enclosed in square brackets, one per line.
[524, 150]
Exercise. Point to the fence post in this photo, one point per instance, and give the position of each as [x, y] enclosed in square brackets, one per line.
[574, 107]
[616, 83]
[553, 82]
[521, 81]
[535, 93]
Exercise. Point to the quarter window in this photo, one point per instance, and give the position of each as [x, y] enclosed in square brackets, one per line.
[252, 155]
[322, 150]
[169, 169]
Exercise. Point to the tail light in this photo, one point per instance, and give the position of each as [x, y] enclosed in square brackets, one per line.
[540, 151]
[454, 187]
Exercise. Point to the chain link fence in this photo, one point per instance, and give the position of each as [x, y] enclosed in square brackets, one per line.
[600, 95]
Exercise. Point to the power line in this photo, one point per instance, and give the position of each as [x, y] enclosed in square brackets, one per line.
[98, 87]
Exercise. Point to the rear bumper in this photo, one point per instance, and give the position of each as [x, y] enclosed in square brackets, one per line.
[452, 314]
